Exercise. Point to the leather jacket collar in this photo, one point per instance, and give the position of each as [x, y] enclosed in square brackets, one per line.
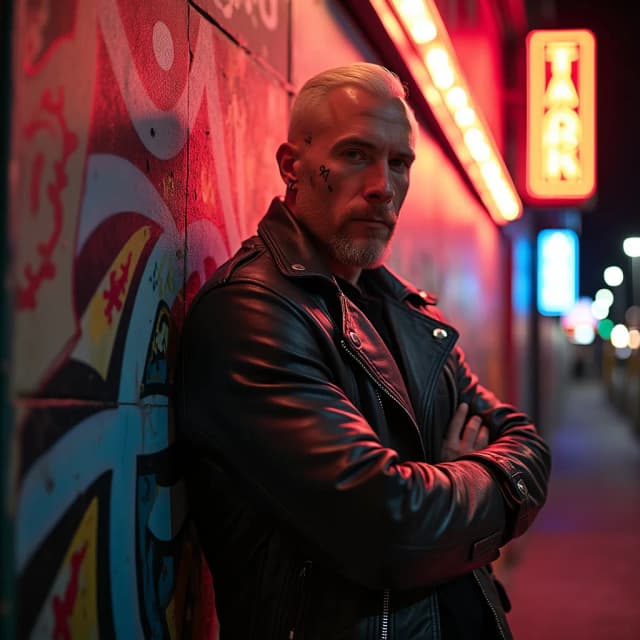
[296, 257]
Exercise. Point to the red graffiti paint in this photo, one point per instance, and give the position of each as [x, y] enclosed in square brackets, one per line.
[114, 294]
[45, 29]
[63, 608]
[156, 33]
[45, 270]
[36, 177]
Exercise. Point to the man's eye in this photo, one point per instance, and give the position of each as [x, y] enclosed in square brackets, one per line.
[399, 164]
[355, 155]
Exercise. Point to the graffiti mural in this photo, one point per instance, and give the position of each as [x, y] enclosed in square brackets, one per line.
[135, 171]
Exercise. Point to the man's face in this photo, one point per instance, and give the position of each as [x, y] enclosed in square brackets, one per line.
[352, 176]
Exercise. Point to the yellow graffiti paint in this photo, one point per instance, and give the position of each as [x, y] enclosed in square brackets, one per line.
[100, 321]
[83, 620]
[71, 607]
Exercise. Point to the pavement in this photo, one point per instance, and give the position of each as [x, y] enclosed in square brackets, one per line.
[576, 573]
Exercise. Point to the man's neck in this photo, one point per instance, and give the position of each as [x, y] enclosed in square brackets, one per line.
[346, 272]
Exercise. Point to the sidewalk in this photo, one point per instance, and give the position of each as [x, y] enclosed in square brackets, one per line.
[576, 573]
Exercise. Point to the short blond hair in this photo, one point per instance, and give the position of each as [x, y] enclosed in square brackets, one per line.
[371, 77]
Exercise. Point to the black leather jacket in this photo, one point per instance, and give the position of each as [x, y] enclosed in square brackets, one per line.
[313, 470]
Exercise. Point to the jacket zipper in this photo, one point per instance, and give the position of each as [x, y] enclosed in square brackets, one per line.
[384, 623]
[384, 626]
[488, 601]
[387, 392]
[302, 579]
[448, 374]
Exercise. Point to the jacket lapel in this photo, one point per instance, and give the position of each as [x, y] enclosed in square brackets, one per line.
[365, 343]
[424, 344]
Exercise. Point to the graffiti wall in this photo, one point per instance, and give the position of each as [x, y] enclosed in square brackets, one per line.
[141, 153]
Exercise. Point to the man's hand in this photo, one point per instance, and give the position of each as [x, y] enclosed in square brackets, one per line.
[463, 438]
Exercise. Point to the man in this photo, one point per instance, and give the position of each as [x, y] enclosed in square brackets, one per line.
[348, 475]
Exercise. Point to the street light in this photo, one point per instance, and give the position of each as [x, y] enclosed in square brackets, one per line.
[613, 276]
[631, 246]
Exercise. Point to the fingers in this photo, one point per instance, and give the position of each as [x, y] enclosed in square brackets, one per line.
[464, 436]
[470, 434]
[482, 439]
[452, 439]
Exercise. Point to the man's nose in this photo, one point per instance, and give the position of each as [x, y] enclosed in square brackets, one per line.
[378, 187]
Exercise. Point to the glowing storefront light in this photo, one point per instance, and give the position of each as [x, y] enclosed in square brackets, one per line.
[561, 142]
[557, 271]
[464, 117]
[419, 23]
[439, 66]
[456, 98]
[634, 339]
[418, 32]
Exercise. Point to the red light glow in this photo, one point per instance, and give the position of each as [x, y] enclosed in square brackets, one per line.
[419, 34]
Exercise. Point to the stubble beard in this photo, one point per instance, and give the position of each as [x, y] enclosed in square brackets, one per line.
[362, 253]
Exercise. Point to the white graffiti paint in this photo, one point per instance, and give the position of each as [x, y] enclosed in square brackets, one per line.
[171, 127]
[113, 184]
[163, 45]
[115, 438]
[267, 10]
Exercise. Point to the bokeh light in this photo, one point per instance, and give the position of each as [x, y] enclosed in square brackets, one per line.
[620, 336]
[631, 246]
[613, 276]
[604, 296]
[599, 310]
[604, 328]
[632, 317]
[584, 334]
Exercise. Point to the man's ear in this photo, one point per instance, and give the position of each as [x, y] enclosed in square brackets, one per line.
[287, 157]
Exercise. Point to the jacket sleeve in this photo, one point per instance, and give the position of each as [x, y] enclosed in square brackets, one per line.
[517, 455]
[260, 396]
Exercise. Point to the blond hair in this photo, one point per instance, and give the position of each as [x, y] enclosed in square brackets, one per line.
[373, 78]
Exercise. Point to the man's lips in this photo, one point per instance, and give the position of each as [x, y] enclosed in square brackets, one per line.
[388, 222]
[376, 222]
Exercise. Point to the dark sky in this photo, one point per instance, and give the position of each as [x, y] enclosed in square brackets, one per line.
[616, 214]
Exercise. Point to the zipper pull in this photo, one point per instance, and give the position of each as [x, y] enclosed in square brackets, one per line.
[305, 570]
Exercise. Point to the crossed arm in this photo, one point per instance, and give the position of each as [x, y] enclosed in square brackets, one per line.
[258, 397]
[464, 437]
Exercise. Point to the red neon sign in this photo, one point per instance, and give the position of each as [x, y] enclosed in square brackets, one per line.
[561, 106]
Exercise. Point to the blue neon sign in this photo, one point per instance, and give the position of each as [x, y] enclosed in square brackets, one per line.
[558, 252]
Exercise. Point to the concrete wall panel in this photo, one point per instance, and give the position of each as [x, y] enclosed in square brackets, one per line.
[142, 153]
